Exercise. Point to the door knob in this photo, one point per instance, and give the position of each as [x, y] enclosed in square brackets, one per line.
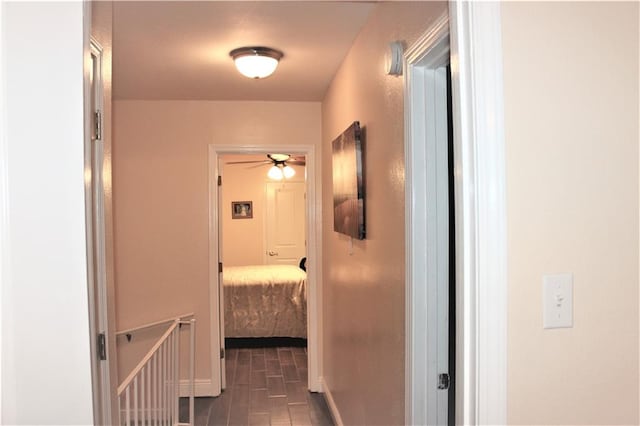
[272, 253]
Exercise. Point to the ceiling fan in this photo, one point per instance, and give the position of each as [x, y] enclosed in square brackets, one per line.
[280, 165]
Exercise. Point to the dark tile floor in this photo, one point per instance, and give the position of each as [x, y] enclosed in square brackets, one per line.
[265, 386]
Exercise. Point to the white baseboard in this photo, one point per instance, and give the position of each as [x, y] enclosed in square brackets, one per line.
[337, 419]
[203, 387]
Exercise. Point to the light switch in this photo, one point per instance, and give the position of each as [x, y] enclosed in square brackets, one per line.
[557, 301]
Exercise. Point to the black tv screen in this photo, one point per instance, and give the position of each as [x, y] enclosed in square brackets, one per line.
[348, 186]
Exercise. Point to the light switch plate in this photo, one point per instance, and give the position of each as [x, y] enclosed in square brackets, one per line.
[557, 301]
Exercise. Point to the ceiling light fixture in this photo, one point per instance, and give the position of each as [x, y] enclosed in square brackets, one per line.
[256, 62]
[288, 172]
[275, 173]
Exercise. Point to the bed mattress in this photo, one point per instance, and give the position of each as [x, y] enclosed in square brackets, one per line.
[265, 301]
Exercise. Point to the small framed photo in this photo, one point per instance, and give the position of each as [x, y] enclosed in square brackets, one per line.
[241, 209]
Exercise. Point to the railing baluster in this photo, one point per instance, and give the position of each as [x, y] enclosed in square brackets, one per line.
[154, 384]
[169, 384]
[167, 387]
[172, 391]
[127, 408]
[169, 399]
[135, 401]
[176, 354]
[166, 381]
[161, 387]
[156, 412]
[149, 393]
[192, 369]
[142, 394]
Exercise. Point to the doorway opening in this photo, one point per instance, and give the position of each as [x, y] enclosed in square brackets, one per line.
[240, 239]
[262, 222]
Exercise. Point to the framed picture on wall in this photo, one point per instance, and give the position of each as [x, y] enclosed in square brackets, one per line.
[241, 209]
[348, 183]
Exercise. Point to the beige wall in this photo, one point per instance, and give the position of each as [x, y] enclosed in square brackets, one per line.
[571, 113]
[160, 161]
[364, 347]
[243, 239]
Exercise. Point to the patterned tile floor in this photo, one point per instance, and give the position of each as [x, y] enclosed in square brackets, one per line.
[265, 386]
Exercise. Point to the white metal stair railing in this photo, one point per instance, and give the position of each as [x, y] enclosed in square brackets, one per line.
[150, 395]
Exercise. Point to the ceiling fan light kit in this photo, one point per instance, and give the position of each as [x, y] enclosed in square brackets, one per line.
[275, 173]
[288, 172]
[256, 62]
[280, 165]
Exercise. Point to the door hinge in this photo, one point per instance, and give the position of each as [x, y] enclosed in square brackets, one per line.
[98, 125]
[219, 267]
[443, 381]
[221, 353]
[102, 347]
[219, 180]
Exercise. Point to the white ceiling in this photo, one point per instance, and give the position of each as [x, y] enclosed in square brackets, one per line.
[180, 50]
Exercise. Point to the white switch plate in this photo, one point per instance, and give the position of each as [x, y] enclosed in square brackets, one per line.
[557, 301]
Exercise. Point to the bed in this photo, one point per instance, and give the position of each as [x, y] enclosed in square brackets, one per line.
[265, 301]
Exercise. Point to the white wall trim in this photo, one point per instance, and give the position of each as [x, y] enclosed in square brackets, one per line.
[481, 252]
[331, 403]
[202, 387]
[314, 310]
[4, 208]
[429, 52]
[426, 46]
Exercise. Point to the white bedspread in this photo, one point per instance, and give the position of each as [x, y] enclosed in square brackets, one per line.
[265, 301]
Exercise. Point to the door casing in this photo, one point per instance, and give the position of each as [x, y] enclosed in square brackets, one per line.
[470, 34]
[103, 390]
[313, 228]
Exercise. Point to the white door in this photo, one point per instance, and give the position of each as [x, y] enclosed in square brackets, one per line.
[431, 335]
[285, 223]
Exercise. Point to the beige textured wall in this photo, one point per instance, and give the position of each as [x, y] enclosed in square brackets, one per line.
[364, 347]
[571, 113]
[243, 239]
[160, 160]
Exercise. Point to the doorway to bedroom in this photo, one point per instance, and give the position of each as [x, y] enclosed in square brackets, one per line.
[261, 217]
[262, 205]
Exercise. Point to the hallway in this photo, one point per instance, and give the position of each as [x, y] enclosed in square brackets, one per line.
[265, 386]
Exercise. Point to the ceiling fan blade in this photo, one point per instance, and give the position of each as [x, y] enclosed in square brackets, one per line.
[250, 162]
[297, 162]
[265, 163]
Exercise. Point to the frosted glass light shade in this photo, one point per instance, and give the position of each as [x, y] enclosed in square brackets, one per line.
[288, 172]
[256, 62]
[275, 173]
[256, 66]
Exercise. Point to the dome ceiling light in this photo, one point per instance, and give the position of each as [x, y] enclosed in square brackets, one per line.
[256, 62]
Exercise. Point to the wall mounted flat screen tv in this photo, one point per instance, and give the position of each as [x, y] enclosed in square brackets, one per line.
[348, 185]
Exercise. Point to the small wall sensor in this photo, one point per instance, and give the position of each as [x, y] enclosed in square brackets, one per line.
[394, 58]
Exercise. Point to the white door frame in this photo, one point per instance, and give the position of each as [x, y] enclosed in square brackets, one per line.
[427, 224]
[474, 30]
[313, 282]
[96, 240]
[4, 206]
